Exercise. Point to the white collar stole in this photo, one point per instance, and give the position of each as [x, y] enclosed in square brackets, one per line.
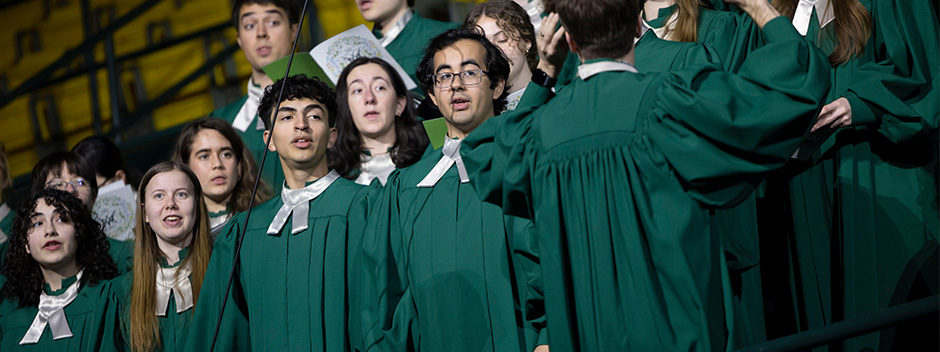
[297, 202]
[804, 11]
[176, 280]
[585, 71]
[249, 110]
[52, 313]
[451, 157]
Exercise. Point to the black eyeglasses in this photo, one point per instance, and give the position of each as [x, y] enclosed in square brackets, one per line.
[78, 183]
[444, 80]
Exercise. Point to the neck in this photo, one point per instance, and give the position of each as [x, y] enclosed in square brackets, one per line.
[171, 250]
[380, 144]
[260, 78]
[386, 23]
[214, 206]
[651, 8]
[628, 57]
[296, 178]
[521, 80]
[461, 133]
[54, 277]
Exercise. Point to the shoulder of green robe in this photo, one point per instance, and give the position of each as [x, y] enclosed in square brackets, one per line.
[341, 195]
[427, 25]
[410, 176]
[229, 111]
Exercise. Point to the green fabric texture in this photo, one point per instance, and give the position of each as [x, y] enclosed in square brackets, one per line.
[736, 226]
[621, 203]
[254, 141]
[91, 318]
[409, 46]
[870, 193]
[444, 271]
[173, 326]
[289, 289]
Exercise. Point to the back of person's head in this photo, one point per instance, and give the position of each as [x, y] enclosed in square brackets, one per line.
[600, 28]
[53, 164]
[497, 67]
[106, 158]
[296, 87]
[241, 194]
[23, 273]
[410, 138]
[291, 8]
[515, 23]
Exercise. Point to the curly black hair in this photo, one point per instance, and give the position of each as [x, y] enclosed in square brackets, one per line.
[497, 66]
[297, 87]
[24, 276]
[410, 138]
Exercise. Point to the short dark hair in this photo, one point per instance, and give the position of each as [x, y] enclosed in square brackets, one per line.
[297, 87]
[52, 165]
[106, 158]
[291, 8]
[601, 28]
[513, 20]
[24, 275]
[410, 138]
[497, 66]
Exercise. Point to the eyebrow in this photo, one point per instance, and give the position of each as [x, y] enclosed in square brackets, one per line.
[272, 11]
[306, 109]
[209, 150]
[373, 78]
[466, 62]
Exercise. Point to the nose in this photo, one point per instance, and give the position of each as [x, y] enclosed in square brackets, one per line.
[216, 162]
[458, 83]
[71, 189]
[301, 124]
[49, 229]
[369, 97]
[262, 31]
[171, 203]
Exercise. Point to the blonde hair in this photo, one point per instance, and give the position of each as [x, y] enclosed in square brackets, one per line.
[144, 326]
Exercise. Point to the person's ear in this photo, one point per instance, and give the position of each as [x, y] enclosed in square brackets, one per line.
[121, 176]
[498, 91]
[400, 107]
[332, 137]
[271, 146]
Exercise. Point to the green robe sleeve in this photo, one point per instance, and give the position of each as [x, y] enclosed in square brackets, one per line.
[755, 119]
[233, 332]
[731, 35]
[897, 91]
[525, 248]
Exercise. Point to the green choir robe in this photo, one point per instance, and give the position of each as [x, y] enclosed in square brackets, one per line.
[620, 202]
[254, 141]
[444, 271]
[91, 318]
[869, 194]
[173, 326]
[408, 47]
[736, 226]
[290, 290]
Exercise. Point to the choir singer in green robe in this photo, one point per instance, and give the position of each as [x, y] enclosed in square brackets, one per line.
[620, 168]
[442, 270]
[57, 269]
[289, 288]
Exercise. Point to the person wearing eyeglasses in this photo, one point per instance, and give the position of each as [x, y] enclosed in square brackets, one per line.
[434, 252]
[70, 172]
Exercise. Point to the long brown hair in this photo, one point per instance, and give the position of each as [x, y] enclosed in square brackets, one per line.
[852, 27]
[241, 195]
[144, 326]
[686, 21]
